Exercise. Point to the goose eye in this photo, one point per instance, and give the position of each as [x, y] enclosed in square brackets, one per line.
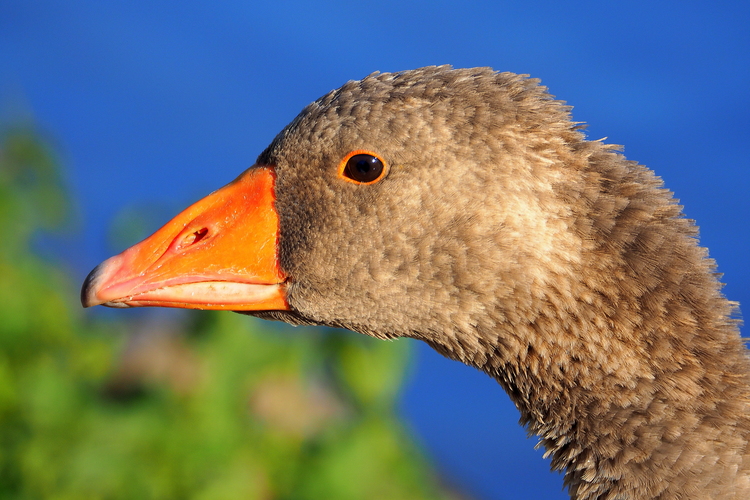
[362, 167]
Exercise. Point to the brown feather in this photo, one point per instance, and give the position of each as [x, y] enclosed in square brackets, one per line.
[506, 240]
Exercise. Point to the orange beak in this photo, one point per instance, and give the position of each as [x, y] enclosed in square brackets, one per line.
[220, 253]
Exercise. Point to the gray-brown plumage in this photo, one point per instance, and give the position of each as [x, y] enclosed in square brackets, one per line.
[505, 240]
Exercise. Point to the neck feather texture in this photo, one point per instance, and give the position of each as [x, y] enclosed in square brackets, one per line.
[633, 374]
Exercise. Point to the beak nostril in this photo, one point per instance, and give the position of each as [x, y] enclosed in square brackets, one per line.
[200, 234]
[193, 238]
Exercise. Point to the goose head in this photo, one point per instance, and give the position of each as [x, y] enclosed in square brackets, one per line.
[464, 208]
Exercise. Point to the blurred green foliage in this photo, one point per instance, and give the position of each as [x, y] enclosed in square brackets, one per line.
[214, 406]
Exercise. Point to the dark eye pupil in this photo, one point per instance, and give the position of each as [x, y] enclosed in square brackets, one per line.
[364, 168]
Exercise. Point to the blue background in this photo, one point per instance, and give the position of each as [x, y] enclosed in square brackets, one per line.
[159, 103]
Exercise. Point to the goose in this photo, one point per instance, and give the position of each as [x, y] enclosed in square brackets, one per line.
[464, 208]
